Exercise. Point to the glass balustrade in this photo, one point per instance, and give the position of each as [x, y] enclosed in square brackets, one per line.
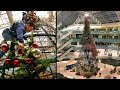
[101, 40]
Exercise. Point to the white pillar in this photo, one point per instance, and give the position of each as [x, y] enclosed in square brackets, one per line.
[10, 16]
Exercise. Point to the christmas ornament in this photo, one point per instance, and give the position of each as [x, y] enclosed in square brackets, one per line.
[4, 47]
[35, 45]
[28, 60]
[16, 62]
[7, 62]
[20, 51]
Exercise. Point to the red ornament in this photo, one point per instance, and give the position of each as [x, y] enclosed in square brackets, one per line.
[7, 62]
[35, 45]
[28, 60]
[20, 51]
[4, 47]
[16, 62]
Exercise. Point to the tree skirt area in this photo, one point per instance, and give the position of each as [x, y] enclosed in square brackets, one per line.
[88, 74]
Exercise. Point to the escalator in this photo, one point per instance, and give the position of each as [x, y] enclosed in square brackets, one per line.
[60, 57]
[59, 33]
[61, 38]
[64, 45]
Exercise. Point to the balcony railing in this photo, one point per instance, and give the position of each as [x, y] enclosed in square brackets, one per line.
[101, 40]
[93, 32]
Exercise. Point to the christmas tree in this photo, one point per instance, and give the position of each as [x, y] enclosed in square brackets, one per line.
[26, 63]
[87, 39]
[29, 62]
[88, 45]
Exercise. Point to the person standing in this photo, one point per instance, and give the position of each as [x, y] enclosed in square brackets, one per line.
[99, 74]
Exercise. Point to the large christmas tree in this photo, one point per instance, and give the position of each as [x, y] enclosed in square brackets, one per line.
[87, 39]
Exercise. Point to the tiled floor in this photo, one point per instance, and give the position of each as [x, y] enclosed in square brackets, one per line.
[103, 70]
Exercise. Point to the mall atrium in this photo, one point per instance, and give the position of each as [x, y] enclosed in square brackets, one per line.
[88, 44]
